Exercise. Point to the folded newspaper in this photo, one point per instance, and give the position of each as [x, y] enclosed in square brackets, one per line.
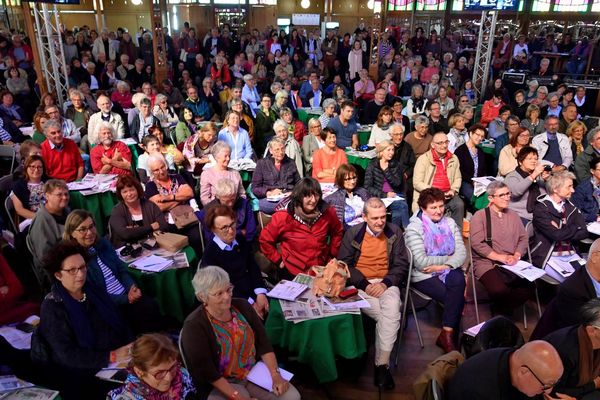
[481, 183]
[95, 183]
[307, 306]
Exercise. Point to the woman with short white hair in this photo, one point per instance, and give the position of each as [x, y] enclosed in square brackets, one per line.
[221, 152]
[292, 148]
[223, 339]
[164, 112]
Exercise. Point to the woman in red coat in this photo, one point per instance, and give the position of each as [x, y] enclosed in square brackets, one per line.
[306, 228]
[219, 71]
[12, 309]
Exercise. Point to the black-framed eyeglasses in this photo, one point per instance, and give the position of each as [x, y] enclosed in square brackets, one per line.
[504, 195]
[227, 227]
[545, 386]
[350, 178]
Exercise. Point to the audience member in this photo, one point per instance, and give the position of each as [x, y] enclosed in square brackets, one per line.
[222, 155]
[220, 364]
[105, 114]
[507, 160]
[440, 169]
[587, 194]
[420, 139]
[328, 158]
[274, 176]
[134, 218]
[349, 199]
[234, 254]
[303, 232]
[553, 146]
[376, 255]
[311, 143]
[582, 162]
[498, 238]
[471, 160]
[28, 192]
[110, 156]
[61, 155]
[526, 183]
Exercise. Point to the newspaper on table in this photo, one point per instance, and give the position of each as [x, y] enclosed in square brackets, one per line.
[307, 306]
[523, 269]
[287, 290]
[481, 183]
[128, 141]
[177, 260]
[389, 200]
[95, 183]
[11, 382]
[242, 164]
[32, 393]
[19, 335]
[370, 154]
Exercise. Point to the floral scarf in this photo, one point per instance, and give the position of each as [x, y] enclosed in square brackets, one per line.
[136, 389]
[437, 237]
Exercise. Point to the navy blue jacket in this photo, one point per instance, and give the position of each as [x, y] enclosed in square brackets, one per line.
[583, 198]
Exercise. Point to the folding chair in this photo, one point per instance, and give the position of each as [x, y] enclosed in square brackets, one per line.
[471, 271]
[201, 230]
[143, 175]
[40, 275]
[263, 219]
[546, 278]
[180, 345]
[409, 292]
[403, 320]
[11, 213]
[9, 152]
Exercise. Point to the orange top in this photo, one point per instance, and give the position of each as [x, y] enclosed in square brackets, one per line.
[323, 160]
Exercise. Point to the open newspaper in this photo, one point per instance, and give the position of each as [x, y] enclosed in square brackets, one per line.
[307, 306]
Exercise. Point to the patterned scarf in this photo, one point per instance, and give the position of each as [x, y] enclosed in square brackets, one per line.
[437, 237]
[135, 388]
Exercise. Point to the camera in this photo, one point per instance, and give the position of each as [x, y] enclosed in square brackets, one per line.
[548, 168]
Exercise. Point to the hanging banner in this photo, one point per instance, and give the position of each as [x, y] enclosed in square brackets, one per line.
[306, 19]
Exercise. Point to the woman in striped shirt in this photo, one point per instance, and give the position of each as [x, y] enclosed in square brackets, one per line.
[107, 272]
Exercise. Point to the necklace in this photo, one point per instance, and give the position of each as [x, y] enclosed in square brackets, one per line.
[84, 298]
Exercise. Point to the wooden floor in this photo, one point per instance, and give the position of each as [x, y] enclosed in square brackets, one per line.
[358, 385]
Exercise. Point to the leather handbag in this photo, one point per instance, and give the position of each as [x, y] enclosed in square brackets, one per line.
[330, 279]
[183, 215]
[171, 241]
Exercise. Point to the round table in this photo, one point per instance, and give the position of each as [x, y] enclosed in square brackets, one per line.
[363, 136]
[172, 289]
[318, 342]
[100, 205]
[360, 161]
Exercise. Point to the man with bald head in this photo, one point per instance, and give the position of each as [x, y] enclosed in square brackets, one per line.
[506, 373]
[582, 286]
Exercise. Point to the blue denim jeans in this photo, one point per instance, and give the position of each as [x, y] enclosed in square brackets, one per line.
[399, 211]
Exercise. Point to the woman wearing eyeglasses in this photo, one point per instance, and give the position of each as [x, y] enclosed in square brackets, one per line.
[164, 112]
[155, 372]
[234, 254]
[223, 339]
[349, 199]
[472, 160]
[28, 193]
[80, 328]
[107, 272]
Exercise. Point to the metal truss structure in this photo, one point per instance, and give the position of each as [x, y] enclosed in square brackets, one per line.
[483, 58]
[50, 47]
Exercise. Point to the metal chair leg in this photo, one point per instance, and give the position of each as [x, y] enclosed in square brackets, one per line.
[525, 316]
[414, 312]
[537, 300]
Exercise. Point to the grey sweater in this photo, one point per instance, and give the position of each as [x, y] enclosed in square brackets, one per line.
[44, 233]
[519, 189]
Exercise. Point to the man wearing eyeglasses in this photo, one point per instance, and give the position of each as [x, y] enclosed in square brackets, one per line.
[498, 237]
[439, 168]
[508, 374]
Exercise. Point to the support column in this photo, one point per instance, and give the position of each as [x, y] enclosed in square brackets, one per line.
[158, 43]
[99, 15]
[37, 63]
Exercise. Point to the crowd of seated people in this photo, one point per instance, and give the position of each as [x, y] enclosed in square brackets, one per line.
[231, 102]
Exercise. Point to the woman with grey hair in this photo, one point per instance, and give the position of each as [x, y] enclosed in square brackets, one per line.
[328, 112]
[281, 99]
[274, 176]
[219, 362]
[292, 149]
[221, 152]
[557, 224]
[164, 112]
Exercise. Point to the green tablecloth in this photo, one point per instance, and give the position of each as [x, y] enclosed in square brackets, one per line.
[363, 137]
[318, 342]
[488, 150]
[172, 288]
[246, 176]
[100, 205]
[362, 162]
[305, 116]
[134, 156]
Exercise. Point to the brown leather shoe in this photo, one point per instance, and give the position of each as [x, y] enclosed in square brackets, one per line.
[446, 341]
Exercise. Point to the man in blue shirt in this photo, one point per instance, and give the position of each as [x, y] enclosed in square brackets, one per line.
[198, 105]
[345, 129]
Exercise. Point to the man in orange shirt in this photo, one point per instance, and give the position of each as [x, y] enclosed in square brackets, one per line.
[376, 255]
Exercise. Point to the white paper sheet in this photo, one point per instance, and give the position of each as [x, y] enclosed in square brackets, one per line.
[594, 228]
[260, 375]
[152, 263]
[525, 270]
[287, 290]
